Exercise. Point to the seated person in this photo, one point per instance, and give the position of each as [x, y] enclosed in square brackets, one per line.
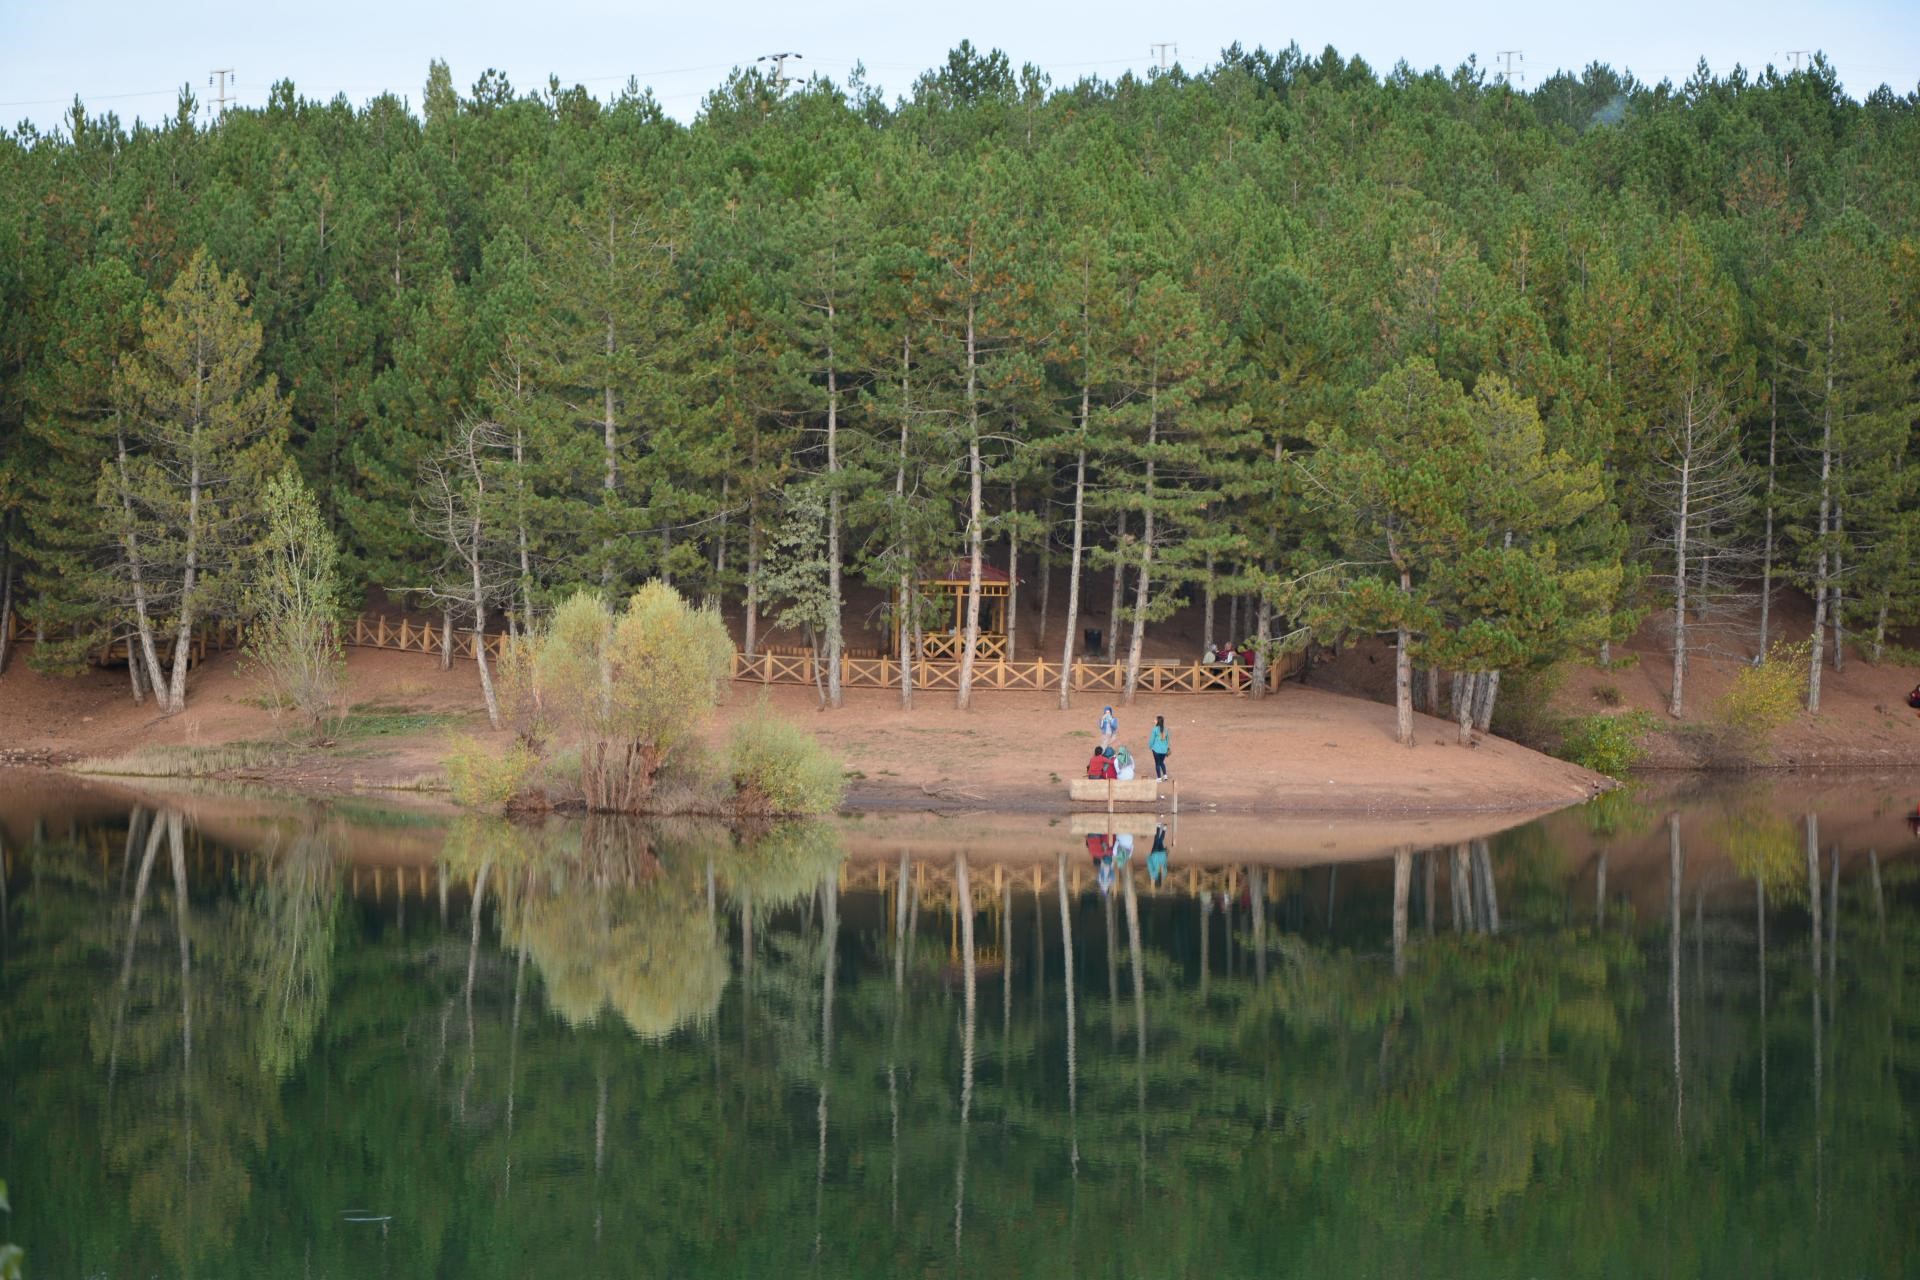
[1209, 657]
[1122, 763]
[1101, 766]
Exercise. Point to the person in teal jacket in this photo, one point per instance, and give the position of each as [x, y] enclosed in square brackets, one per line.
[1161, 748]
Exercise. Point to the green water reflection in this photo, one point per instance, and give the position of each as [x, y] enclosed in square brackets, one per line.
[1670, 1038]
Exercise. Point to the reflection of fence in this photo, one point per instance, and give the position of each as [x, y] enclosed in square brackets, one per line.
[799, 666]
[932, 880]
[934, 883]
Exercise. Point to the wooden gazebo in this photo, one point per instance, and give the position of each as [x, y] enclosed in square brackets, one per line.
[946, 589]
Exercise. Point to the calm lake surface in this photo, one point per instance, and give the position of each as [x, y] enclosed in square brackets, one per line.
[1673, 1033]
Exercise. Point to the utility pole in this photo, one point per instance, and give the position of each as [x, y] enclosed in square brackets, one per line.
[1160, 48]
[779, 61]
[1796, 55]
[219, 78]
[1508, 56]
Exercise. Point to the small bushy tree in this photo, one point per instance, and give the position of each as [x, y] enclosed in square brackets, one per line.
[1763, 699]
[779, 768]
[294, 603]
[626, 688]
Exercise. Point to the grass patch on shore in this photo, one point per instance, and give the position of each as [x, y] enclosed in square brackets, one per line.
[186, 762]
[381, 720]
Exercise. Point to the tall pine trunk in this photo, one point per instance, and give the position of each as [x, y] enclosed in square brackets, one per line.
[1046, 568]
[963, 694]
[176, 698]
[1403, 669]
[1816, 659]
[1119, 589]
[1073, 561]
[751, 623]
[1013, 572]
[1766, 552]
[905, 625]
[834, 602]
[1836, 615]
[1681, 525]
[1142, 589]
[136, 568]
[610, 444]
[1262, 632]
[520, 529]
[1206, 612]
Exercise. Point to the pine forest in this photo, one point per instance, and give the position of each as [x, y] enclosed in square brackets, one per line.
[1499, 376]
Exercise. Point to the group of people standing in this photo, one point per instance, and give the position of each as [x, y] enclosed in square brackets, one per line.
[1111, 760]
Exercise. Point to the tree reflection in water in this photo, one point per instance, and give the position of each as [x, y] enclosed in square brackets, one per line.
[223, 1063]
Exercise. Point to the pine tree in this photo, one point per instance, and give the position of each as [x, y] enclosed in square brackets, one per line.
[184, 493]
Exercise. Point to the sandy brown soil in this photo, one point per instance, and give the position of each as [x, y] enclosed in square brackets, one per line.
[1304, 751]
[1864, 721]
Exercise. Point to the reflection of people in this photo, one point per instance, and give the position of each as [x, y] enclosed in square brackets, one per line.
[1098, 845]
[1109, 727]
[1161, 748]
[1122, 847]
[1103, 872]
[1913, 821]
[1157, 856]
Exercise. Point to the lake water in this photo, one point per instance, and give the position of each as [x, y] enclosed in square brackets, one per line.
[1674, 1033]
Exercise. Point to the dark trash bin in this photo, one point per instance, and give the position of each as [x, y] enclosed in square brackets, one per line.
[1092, 635]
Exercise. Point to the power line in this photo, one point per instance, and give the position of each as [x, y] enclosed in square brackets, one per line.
[1508, 55]
[1159, 50]
[1796, 55]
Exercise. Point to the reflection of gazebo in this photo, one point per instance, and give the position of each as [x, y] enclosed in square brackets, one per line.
[945, 591]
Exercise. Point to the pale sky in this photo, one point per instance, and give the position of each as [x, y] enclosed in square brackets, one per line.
[132, 56]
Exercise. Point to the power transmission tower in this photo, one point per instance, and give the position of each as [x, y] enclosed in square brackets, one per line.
[221, 77]
[1508, 56]
[1160, 48]
[1796, 55]
[779, 61]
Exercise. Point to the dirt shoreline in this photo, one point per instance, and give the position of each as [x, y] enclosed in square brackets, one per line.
[1304, 751]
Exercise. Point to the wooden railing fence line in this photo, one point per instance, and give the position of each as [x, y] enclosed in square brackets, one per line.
[781, 664]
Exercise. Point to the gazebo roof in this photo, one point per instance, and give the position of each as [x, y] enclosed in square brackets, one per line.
[956, 573]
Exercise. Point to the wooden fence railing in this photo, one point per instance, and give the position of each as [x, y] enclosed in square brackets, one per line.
[859, 669]
[408, 636]
[217, 636]
[1037, 674]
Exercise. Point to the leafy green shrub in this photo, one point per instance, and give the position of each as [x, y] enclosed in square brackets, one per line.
[482, 777]
[779, 768]
[1761, 701]
[1608, 744]
[1608, 695]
